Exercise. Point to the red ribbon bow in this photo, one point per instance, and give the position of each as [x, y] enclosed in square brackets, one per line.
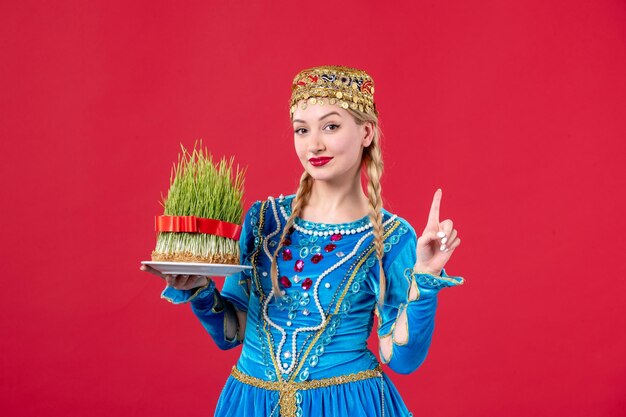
[193, 224]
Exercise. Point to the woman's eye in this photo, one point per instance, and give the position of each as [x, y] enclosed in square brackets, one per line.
[302, 130]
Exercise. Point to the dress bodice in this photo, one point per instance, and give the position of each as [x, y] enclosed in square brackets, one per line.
[326, 314]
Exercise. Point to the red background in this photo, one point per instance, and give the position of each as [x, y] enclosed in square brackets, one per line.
[515, 109]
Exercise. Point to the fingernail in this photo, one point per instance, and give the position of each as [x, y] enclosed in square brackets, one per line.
[442, 248]
[444, 240]
[441, 234]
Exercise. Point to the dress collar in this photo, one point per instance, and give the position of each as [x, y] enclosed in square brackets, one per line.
[362, 223]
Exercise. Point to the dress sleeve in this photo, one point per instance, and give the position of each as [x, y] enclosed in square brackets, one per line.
[407, 318]
[214, 308]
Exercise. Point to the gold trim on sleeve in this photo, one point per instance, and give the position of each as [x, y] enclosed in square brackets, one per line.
[403, 339]
[414, 291]
[457, 281]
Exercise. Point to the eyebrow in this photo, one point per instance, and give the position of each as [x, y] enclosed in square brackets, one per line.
[323, 117]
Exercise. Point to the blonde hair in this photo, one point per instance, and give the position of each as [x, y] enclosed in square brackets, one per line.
[372, 165]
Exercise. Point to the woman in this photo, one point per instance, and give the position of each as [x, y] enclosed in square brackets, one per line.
[325, 261]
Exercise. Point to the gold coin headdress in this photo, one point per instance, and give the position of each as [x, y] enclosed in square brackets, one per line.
[343, 86]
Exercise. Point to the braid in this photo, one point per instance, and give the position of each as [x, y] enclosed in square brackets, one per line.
[300, 200]
[374, 165]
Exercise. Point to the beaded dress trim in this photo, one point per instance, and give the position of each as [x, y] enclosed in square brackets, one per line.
[288, 389]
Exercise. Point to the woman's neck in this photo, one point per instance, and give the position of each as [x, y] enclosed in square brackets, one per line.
[336, 203]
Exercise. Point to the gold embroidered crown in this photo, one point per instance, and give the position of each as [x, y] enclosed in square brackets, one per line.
[343, 86]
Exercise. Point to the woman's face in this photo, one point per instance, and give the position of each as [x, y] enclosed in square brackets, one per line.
[329, 142]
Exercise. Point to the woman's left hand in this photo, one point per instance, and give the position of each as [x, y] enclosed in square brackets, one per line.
[437, 242]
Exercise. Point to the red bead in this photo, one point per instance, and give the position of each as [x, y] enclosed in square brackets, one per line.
[287, 254]
[286, 242]
[316, 258]
[335, 237]
[299, 265]
[330, 247]
[306, 284]
[285, 281]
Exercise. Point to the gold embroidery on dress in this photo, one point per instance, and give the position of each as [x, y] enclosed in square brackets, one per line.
[288, 389]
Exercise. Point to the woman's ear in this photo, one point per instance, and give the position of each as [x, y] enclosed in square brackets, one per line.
[369, 134]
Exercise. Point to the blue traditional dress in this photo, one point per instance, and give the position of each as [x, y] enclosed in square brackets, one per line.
[305, 353]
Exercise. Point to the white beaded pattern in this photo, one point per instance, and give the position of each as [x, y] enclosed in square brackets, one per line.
[326, 232]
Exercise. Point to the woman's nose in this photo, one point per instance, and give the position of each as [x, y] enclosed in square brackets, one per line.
[315, 143]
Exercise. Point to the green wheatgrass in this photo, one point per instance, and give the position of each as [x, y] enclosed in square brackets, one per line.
[201, 188]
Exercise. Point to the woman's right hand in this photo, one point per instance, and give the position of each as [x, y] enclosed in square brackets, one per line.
[179, 282]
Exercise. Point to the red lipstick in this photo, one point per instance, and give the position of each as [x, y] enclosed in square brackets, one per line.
[318, 162]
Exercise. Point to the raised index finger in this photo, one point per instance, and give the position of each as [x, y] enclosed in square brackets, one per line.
[433, 216]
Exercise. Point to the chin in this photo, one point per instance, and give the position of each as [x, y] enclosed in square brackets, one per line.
[327, 176]
[319, 176]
